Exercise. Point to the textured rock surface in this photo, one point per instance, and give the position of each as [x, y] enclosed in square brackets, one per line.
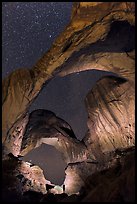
[114, 183]
[111, 121]
[19, 177]
[82, 171]
[16, 90]
[115, 53]
[34, 176]
[14, 136]
[100, 36]
[43, 126]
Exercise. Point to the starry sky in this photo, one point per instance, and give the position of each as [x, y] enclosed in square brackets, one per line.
[28, 31]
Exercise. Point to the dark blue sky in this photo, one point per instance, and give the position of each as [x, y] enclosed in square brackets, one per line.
[28, 31]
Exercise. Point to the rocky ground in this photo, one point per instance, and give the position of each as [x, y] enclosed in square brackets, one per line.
[113, 184]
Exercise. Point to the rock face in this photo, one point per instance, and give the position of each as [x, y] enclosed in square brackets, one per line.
[100, 36]
[35, 179]
[14, 136]
[114, 184]
[111, 121]
[20, 177]
[109, 54]
[43, 126]
[16, 92]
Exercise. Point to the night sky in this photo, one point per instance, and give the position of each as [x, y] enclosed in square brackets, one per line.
[28, 31]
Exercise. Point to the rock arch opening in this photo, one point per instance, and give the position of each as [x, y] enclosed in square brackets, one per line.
[65, 97]
[50, 160]
[104, 53]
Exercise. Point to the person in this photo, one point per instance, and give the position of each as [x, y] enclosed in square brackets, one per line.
[63, 188]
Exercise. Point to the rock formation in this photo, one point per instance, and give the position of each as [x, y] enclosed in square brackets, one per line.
[43, 126]
[19, 177]
[89, 25]
[114, 184]
[111, 117]
[99, 36]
